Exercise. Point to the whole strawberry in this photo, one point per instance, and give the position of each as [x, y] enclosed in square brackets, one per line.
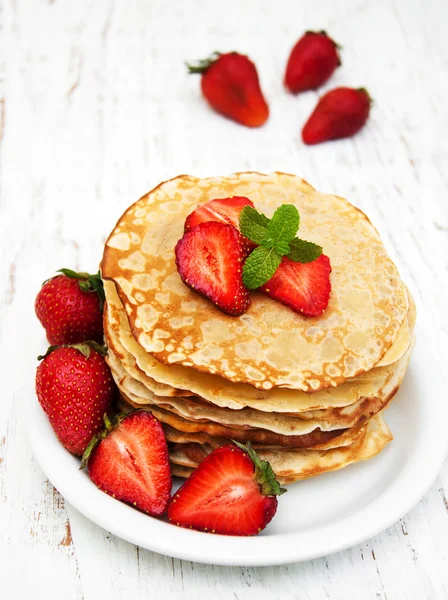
[70, 306]
[311, 62]
[231, 86]
[340, 113]
[75, 388]
[129, 461]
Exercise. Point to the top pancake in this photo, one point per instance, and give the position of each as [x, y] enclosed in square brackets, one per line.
[270, 345]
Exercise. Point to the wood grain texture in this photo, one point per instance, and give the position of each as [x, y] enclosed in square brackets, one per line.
[95, 108]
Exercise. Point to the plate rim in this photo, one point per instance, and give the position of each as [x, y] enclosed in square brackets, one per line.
[263, 550]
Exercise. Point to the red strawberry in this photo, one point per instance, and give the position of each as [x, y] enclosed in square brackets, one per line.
[75, 388]
[230, 85]
[69, 307]
[338, 114]
[311, 62]
[232, 492]
[224, 210]
[305, 287]
[129, 461]
[209, 259]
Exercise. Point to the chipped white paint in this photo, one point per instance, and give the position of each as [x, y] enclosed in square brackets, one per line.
[95, 109]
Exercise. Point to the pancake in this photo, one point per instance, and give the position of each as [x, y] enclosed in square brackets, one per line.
[218, 390]
[174, 436]
[196, 446]
[295, 465]
[402, 342]
[179, 471]
[181, 437]
[270, 345]
[285, 424]
[398, 348]
[243, 434]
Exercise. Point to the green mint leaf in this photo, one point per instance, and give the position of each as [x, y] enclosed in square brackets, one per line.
[282, 248]
[268, 243]
[253, 225]
[260, 266]
[284, 223]
[303, 251]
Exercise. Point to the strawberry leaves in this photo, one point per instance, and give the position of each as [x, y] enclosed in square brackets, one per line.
[264, 473]
[98, 437]
[84, 348]
[202, 65]
[276, 238]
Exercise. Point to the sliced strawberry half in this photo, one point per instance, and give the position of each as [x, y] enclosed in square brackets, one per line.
[304, 287]
[210, 259]
[232, 492]
[129, 461]
[223, 210]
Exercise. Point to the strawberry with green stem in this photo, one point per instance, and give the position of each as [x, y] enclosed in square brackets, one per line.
[230, 84]
[232, 492]
[129, 460]
[75, 388]
[70, 307]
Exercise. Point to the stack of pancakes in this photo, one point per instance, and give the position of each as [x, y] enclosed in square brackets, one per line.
[308, 393]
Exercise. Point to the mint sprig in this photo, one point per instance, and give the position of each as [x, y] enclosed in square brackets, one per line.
[276, 238]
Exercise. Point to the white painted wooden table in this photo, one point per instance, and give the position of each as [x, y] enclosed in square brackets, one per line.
[97, 108]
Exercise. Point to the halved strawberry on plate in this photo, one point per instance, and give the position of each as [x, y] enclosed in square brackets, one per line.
[129, 461]
[232, 492]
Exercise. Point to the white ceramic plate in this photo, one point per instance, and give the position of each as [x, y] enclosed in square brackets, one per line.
[317, 516]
